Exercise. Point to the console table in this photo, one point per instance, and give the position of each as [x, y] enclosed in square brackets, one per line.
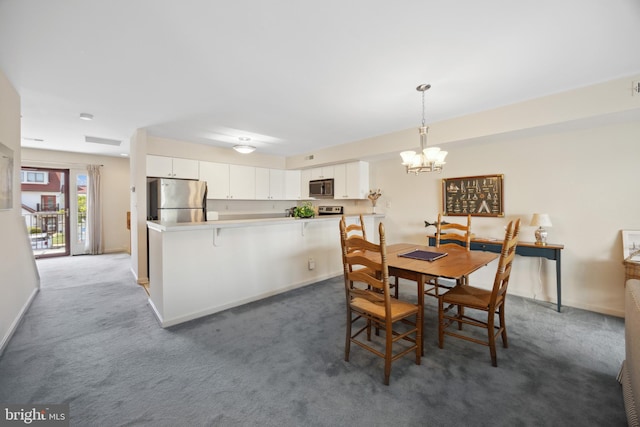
[530, 249]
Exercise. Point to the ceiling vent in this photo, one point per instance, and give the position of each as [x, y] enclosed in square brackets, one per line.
[105, 141]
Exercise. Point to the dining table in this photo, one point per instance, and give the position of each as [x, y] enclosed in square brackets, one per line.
[457, 264]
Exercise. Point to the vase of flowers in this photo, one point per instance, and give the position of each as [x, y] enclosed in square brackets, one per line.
[374, 195]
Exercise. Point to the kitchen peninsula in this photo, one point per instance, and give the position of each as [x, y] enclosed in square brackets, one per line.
[196, 269]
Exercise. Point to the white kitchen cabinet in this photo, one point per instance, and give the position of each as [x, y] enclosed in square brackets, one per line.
[171, 167]
[324, 172]
[276, 184]
[351, 180]
[305, 177]
[217, 177]
[226, 181]
[293, 185]
[269, 184]
[242, 182]
[262, 184]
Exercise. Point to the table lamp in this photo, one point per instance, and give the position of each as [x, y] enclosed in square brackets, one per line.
[541, 220]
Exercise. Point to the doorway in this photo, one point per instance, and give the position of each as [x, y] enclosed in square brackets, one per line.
[45, 209]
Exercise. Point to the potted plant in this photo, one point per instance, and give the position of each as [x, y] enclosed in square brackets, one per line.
[304, 211]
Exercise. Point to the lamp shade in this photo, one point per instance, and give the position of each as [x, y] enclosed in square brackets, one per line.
[540, 220]
[407, 157]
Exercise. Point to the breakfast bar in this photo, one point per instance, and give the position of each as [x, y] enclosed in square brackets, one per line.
[196, 269]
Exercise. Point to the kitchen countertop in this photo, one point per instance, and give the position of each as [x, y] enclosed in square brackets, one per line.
[235, 223]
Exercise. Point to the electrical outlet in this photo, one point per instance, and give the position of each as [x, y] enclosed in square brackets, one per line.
[635, 88]
[312, 264]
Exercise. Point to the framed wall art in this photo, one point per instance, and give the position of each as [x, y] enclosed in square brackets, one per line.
[473, 195]
[631, 245]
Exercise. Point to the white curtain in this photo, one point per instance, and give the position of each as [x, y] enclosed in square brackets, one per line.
[93, 243]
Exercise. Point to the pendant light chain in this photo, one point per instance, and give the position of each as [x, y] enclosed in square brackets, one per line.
[423, 120]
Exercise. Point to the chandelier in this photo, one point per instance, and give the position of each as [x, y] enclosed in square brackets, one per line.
[429, 159]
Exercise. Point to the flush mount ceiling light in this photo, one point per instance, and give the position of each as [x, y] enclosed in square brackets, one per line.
[429, 159]
[86, 116]
[244, 148]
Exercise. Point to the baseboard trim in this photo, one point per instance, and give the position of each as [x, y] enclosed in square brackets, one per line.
[157, 313]
[17, 321]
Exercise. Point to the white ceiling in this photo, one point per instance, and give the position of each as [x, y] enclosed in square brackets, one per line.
[293, 75]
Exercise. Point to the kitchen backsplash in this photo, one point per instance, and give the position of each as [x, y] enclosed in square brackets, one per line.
[246, 209]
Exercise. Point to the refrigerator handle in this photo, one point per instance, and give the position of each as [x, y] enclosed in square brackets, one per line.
[204, 201]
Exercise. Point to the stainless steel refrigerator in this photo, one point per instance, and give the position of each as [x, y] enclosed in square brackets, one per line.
[177, 200]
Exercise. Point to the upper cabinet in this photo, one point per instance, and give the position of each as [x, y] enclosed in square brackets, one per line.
[305, 177]
[293, 185]
[216, 175]
[171, 167]
[242, 182]
[351, 180]
[270, 184]
[226, 181]
[324, 172]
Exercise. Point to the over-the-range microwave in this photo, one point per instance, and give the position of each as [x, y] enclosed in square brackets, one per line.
[321, 188]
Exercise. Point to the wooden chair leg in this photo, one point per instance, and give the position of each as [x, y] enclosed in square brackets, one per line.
[387, 355]
[397, 287]
[492, 339]
[419, 332]
[505, 343]
[347, 344]
[460, 314]
[440, 323]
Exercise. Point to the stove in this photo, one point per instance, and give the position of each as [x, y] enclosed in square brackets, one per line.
[330, 210]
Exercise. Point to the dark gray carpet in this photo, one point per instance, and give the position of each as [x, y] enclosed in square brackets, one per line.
[91, 340]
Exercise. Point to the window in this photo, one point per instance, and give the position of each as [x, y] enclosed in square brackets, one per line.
[48, 203]
[34, 177]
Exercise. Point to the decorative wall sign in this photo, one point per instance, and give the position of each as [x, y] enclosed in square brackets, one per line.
[473, 195]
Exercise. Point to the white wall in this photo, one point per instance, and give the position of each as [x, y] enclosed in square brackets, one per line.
[19, 280]
[115, 188]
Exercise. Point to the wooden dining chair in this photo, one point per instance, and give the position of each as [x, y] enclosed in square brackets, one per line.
[460, 233]
[369, 302]
[461, 236]
[490, 301]
[355, 229]
[359, 229]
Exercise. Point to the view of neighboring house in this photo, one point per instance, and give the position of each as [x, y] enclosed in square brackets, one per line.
[43, 203]
[42, 200]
